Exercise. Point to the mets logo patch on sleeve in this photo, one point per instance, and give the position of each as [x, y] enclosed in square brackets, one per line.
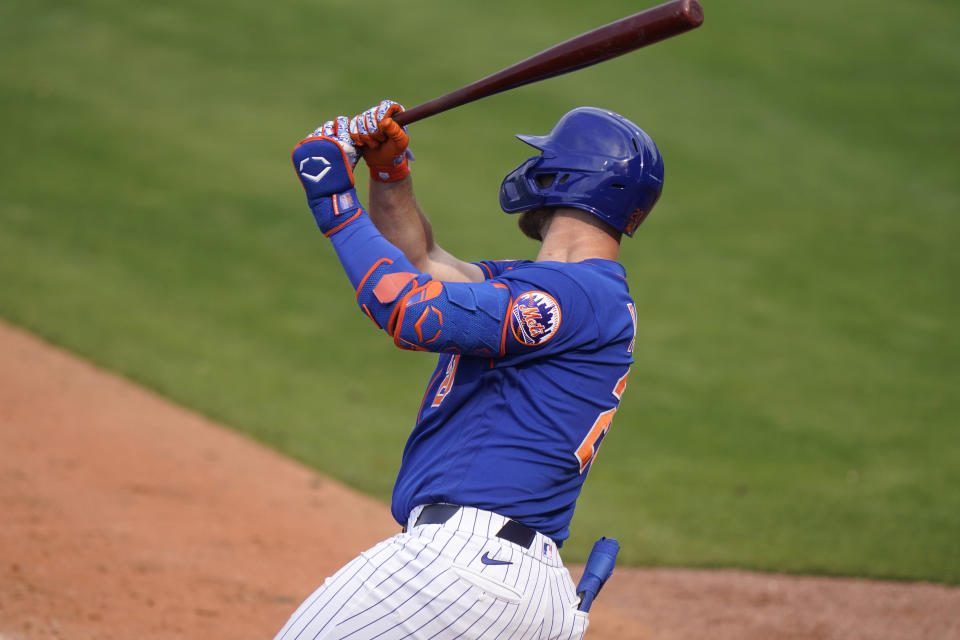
[535, 318]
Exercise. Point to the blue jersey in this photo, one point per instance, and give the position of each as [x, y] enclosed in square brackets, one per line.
[534, 361]
[515, 432]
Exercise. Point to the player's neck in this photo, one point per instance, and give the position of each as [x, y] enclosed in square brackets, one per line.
[572, 235]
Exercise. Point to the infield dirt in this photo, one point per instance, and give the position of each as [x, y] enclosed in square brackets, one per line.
[124, 516]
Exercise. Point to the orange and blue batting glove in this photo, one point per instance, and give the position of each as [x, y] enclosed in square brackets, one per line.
[324, 163]
[382, 142]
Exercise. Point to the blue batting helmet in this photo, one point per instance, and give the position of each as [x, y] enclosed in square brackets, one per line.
[594, 160]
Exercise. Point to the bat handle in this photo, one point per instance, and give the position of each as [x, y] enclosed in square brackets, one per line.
[425, 110]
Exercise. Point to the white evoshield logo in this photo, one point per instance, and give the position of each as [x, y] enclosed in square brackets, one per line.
[318, 177]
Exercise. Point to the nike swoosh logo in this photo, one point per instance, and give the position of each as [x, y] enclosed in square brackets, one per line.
[486, 559]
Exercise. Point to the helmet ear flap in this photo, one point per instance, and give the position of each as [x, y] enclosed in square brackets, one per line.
[518, 192]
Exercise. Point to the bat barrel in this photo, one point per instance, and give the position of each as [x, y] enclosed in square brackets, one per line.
[603, 43]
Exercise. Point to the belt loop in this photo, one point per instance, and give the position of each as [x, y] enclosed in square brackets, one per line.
[436, 514]
[517, 533]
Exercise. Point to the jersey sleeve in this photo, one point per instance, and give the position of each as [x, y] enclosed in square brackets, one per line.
[496, 268]
[549, 312]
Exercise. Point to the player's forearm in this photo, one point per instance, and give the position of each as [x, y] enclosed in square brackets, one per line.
[394, 210]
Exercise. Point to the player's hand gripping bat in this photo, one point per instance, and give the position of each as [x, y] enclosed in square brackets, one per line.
[606, 42]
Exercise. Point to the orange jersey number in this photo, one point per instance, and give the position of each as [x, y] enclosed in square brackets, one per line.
[590, 446]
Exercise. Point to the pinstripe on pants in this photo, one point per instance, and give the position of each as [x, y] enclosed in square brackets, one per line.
[430, 583]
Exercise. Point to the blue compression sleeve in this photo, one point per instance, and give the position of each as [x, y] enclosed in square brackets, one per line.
[370, 260]
[360, 245]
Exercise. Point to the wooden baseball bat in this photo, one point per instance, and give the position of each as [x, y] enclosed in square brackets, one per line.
[603, 43]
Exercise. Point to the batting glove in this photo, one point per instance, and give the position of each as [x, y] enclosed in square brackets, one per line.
[339, 130]
[324, 165]
[382, 142]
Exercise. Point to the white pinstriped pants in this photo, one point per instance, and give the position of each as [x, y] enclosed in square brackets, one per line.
[431, 583]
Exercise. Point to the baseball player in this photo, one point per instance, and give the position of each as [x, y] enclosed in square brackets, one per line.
[534, 358]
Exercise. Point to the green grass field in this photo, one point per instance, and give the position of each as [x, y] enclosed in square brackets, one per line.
[794, 405]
